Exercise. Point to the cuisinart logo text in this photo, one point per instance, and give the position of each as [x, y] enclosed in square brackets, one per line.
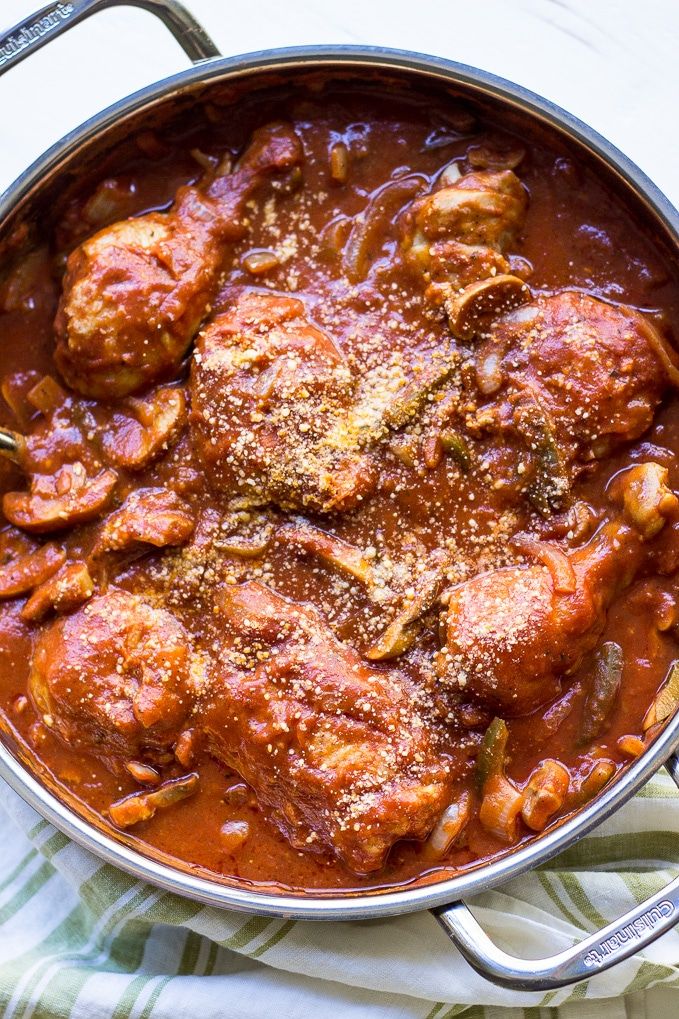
[630, 932]
[29, 33]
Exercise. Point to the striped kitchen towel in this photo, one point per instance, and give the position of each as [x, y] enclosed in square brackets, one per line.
[81, 939]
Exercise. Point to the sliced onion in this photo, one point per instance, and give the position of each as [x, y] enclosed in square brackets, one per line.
[550, 555]
[500, 808]
[450, 824]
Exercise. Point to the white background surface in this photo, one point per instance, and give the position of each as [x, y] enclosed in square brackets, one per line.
[613, 63]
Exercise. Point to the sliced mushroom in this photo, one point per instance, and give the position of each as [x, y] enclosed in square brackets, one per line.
[260, 260]
[485, 156]
[468, 310]
[580, 522]
[69, 587]
[21, 575]
[334, 550]
[149, 516]
[19, 286]
[451, 266]
[450, 825]
[646, 498]
[59, 500]
[333, 236]
[143, 806]
[145, 429]
[246, 533]
[143, 773]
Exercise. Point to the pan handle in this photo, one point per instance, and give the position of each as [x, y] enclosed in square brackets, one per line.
[46, 24]
[615, 942]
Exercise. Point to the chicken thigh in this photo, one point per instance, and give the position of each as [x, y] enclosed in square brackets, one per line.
[571, 376]
[270, 398]
[116, 678]
[457, 238]
[336, 748]
[136, 292]
[512, 633]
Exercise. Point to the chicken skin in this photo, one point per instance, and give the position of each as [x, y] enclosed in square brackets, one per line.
[136, 292]
[485, 208]
[115, 678]
[270, 396]
[457, 238]
[512, 633]
[574, 377]
[335, 748]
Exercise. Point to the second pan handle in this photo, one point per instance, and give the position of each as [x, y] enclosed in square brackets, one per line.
[56, 18]
[598, 952]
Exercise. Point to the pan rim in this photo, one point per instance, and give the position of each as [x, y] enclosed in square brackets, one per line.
[366, 904]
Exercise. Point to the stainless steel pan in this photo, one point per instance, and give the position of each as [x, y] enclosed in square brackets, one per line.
[58, 170]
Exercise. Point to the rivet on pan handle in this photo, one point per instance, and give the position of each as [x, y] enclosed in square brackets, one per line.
[620, 939]
[46, 24]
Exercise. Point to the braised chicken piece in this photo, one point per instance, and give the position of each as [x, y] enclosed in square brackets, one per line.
[485, 208]
[335, 748]
[573, 377]
[457, 238]
[513, 633]
[270, 394]
[511, 636]
[136, 292]
[117, 678]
